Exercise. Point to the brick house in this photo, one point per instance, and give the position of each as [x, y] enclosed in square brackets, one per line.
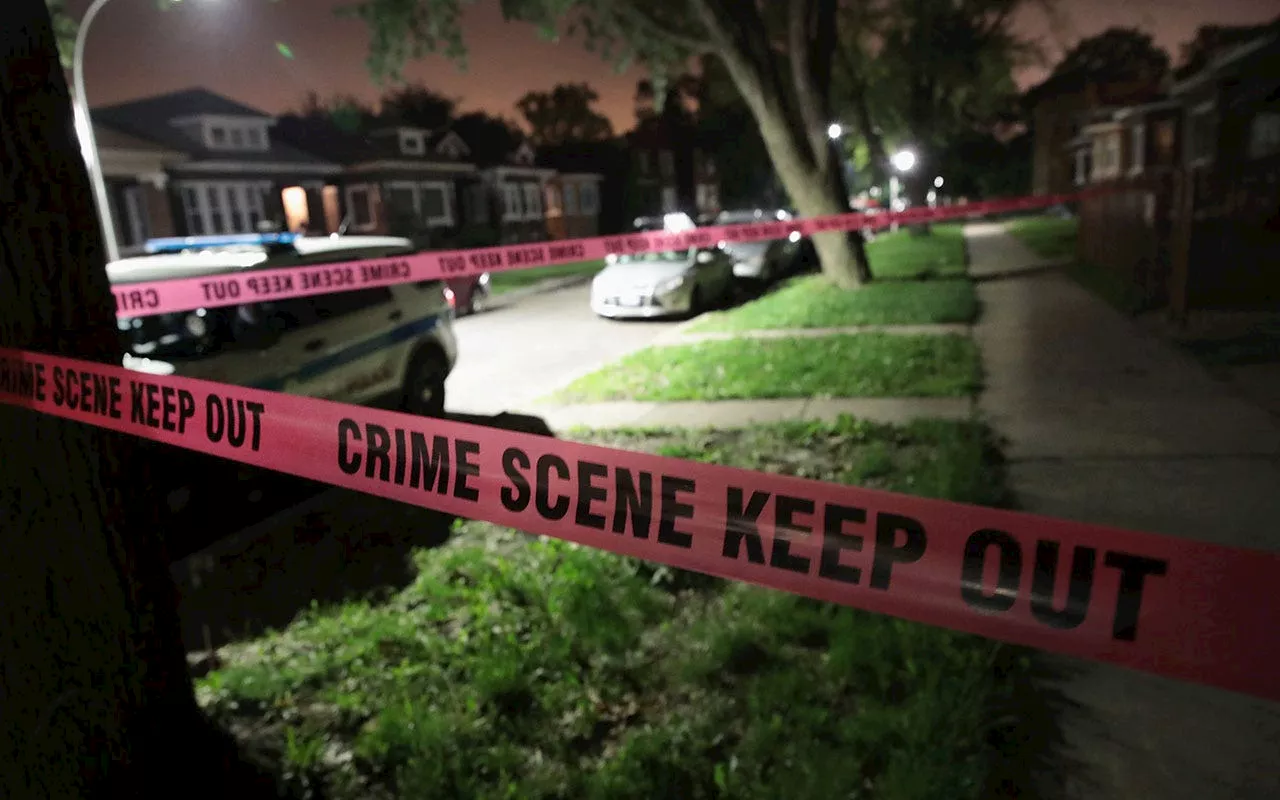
[136, 172]
[670, 170]
[233, 175]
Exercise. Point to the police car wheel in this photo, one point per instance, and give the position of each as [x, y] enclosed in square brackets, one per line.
[424, 389]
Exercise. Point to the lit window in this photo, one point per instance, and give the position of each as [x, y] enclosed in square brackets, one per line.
[553, 202]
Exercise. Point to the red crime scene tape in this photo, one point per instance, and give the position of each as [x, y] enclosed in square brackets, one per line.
[1171, 606]
[213, 291]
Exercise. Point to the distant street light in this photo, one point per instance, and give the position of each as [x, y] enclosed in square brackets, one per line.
[904, 160]
[835, 131]
[937, 182]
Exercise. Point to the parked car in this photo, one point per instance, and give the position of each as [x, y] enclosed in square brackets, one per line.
[672, 223]
[646, 285]
[468, 295]
[353, 346]
[763, 261]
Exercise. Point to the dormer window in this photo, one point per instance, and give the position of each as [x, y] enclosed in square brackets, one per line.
[412, 143]
[227, 133]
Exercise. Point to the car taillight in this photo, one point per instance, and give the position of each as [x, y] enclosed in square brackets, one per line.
[450, 297]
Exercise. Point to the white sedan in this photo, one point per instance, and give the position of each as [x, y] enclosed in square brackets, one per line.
[678, 282]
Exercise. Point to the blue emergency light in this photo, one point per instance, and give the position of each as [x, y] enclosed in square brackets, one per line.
[177, 244]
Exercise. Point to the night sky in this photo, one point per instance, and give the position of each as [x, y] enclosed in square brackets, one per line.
[230, 47]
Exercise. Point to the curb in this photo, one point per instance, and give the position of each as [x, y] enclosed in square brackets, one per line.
[549, 285]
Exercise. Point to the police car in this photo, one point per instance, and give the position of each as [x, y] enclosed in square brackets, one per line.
[366, 346]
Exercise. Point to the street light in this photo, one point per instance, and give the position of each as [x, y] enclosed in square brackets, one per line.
[88, 142]
[937, 182]
[834, 131]
[904, 160]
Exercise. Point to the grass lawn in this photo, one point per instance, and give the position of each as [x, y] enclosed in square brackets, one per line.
[1050, 237]
[506, 281]
[813, 302]
[519, 667]
[901, 255]
[859, 365]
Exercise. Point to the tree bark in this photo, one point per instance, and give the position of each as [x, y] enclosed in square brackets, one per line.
[788, 137]
[95, 694]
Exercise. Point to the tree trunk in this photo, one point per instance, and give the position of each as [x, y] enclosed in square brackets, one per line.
[95, 695]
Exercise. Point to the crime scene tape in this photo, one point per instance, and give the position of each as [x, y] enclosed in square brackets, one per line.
[1175, 607]
[213, 291]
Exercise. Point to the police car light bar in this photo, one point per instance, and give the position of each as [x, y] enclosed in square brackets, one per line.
[177, 244]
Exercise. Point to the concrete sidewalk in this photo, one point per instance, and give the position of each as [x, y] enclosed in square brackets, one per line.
[1108, 424]
[737, 413]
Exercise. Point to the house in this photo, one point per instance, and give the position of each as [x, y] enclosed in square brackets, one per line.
[1192, 218]
[587, 175]
[400, 181]
[508, 195]
[670, 170]
[1059, 108]
[136, 173]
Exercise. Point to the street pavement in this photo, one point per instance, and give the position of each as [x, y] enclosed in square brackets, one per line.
[512, 355]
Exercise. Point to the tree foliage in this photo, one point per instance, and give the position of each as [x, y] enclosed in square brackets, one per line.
[488, 135]
[1116, 54]
[418, 106]
[564, 115]
[64, 30]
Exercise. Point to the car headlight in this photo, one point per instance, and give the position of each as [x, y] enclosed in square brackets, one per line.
[669, 285]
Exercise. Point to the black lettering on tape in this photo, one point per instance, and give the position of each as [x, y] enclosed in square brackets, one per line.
[742, 524]
[835, 541]
[633, 502]
[113, 407]
[377, 457]
[785, 528]
[467, 469]
[348, 461]
[589, 493]
[975, 559]
[1134, 570]
[426, 463]
[153, 405]
[673, 510]
[59, 387]
[889, 552]
[515, 497]
[135, 400]
[1044, 579]
[542, 488]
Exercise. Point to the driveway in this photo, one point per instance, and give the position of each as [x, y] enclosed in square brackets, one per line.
[512, 355]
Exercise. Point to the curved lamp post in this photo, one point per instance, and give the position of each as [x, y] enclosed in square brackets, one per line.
[88, 142]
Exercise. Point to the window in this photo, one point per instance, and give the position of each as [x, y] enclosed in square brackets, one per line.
[255, 138]
[477, 203]
[553, 202]
[1200, 135]
[191, 210]
[219, 136]
[1137, 149]
[667, 163]
[411, 143]
[1164, 141]
[570, 199]
[511, 201]
[359, 207]
[339, 304]
[1264, 134]
[668, 200]
[703, 201]
[532, 201]
[1083, 164]
[211, 207]
[435, 203]
[590, 199]
[237, 138]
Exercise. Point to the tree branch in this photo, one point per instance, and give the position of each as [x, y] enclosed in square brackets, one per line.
[636, 13]
[862, 112]
[806, 93]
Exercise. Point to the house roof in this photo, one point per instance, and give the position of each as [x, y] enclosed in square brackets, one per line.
[327, 140]
[112, 139]
[151, 118]
[1232, 59]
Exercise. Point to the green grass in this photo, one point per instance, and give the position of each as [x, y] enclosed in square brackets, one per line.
[1049, 237]
[858, 365]
[519, 667]
[813, 302]
[509, 280]
[904, 255]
